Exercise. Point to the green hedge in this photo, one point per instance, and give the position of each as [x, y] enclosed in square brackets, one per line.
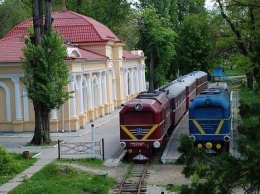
[249, 109]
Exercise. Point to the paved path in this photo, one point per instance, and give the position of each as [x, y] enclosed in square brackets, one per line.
[106, 127]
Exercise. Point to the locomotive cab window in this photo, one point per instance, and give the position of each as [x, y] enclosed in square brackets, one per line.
[142, 117]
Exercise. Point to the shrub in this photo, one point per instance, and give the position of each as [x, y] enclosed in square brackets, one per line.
[8, 165]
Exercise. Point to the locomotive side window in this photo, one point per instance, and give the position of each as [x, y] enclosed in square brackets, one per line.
[142, 117]
[208, 113]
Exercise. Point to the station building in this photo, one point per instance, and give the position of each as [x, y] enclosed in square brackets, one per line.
[102, 75]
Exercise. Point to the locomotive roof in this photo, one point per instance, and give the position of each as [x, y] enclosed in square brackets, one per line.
[218, 85]
[217, 97]
[175, 89]
[186, 80]
[198, 74]
[153, 101]
[148, 95]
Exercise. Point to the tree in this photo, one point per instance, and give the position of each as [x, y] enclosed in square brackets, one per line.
[9, 17]
[194, 43]
[243, 19]
[157, 41]
[46, 74]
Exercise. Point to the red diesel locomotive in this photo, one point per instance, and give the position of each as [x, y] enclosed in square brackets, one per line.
[146, 120]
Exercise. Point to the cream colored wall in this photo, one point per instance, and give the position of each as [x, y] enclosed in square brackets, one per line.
[11, 68]
[114, 77]
[100, 48]
[2, 105]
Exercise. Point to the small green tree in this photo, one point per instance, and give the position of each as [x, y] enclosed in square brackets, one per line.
[46, 77]
[157, 41]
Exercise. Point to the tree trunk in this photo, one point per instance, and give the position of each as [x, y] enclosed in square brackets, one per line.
[79, 3]
[250, 80]
[37, 138]
[151, 82]
[48, 18]
[37, 21]
[42, 122]
[46, 127]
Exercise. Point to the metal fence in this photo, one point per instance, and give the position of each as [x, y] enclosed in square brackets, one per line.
[85, 149]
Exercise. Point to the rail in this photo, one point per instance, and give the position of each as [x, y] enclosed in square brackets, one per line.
[134, 180]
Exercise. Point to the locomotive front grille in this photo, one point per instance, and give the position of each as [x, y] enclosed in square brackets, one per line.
[139, 131]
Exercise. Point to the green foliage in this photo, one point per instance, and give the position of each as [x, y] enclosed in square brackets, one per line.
[11, 164]
[85, 161]
[64, 179]
[190, 156]
[158, 44]
[8, 165]
[225, 172]
[194, 43]
[46, 74]
[249, 103]
[241, 61]
[9, 17]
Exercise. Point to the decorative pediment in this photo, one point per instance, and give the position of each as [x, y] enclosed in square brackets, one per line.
[73, 53]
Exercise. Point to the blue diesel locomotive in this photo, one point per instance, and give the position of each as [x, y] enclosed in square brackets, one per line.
[210, 120]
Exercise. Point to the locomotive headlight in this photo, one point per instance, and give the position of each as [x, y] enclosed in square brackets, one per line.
[226, 138]
[218, 146]
[193, 137]
[138, 107]
[122, 144]
[207, 101]
[199, 145]
[156, 144]
[208, 145]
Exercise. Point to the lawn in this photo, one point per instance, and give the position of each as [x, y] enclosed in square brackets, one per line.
[57, 178]
[12, 164]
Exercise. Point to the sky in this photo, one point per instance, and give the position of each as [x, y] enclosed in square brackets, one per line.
[209, 4]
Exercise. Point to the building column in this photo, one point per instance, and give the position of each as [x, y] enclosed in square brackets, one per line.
[73, 114]
[143, 84]
[18, 111]
[54, 114]
[101, 107]
[54, 122]
[137, 80]
[79, 83]
[18, 122]
[132, 83]
[82, 120]
[105, 102]
[90, 113]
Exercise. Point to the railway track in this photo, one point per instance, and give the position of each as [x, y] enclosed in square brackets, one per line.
[133, 181]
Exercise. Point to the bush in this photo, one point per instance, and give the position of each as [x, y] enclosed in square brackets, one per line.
[8, 165]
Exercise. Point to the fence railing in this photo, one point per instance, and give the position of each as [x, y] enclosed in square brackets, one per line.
[87, 149]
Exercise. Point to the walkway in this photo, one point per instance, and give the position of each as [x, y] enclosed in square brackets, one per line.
[105, 127]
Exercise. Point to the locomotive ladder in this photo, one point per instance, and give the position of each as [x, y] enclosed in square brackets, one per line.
[134, 180]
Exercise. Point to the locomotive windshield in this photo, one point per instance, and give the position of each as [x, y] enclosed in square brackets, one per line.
[208, 112]
[142, 117]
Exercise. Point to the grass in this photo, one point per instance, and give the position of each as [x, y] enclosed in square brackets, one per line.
[20, 164]
[84, 161]
[249, 96]
[232, 72]
[51, 144]
[174, 188]
[55, 178]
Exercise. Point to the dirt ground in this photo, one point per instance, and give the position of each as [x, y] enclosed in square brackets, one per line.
[159, 174]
